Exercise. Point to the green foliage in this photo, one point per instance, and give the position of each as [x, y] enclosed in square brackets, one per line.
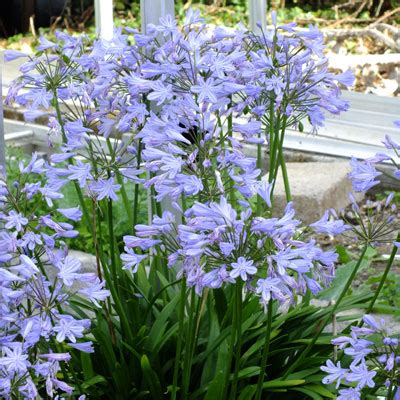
[154, 331]
[343, 273]
[389, 301]
[217, 12]
[136, 334]
[142, 366]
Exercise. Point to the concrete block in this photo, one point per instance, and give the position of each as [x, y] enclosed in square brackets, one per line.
[315, 187]
[88, 261]
[390, 322]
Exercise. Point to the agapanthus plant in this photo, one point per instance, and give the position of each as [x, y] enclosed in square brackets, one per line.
[364, 173]
[170, 109]
[371, 360]
[198, 79]
[204, 78]
[39, 280]
[373, 367]
[374, 222]
[216, 245]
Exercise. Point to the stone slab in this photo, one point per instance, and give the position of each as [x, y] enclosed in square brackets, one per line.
[315, 187]
[88, 261]
[346, 61]
[391, 323]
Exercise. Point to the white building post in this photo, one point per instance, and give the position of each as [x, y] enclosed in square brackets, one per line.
[152, 10]
[2, 142]
[104, 16]
[257, 10]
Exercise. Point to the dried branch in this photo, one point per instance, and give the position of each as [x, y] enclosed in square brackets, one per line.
[305, 21]
[386, 27]
[385, 16]
[341, 34]
[354, 15]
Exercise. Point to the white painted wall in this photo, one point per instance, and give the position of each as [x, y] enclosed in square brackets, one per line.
[152, 10]
[2, 143]
[104, 16]
[257, 10]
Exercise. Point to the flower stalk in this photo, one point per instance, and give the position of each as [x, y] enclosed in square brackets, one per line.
[300, 358]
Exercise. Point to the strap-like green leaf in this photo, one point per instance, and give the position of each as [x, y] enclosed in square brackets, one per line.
[151, 378]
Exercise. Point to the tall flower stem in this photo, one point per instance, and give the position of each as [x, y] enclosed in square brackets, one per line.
[190, 340]
[265, 352]
[239, 305]
[391, 392]
[136, 190]
[64, 138]
[259, 165]
[111, 284]
[231, 345]
[110, 224]
[180, 337]
[279, 159]
[328, 318]
[120, 180]
[285, 177]
[271, 141]
[384, 276]
[107, 303]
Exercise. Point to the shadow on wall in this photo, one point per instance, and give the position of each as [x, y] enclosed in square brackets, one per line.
[15, 14]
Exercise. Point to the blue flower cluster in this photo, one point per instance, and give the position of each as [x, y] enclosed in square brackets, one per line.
[215, 246]
[364, 172]
[175, 105]
[375, 358]
[38, 281]
[197, 79]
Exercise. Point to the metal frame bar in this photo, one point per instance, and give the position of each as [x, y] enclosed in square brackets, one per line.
[341, 137]
[8, 137]
[257, 10]
[104, 17]
[152, 11]
[2, 141]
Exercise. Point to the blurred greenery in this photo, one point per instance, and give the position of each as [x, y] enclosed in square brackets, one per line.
[79, 14]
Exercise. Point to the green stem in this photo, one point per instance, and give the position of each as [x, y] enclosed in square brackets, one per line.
[107, 303]
[259, 166]
[190, 333]
[125, 200]
[238, 338]
[180, 337]
[285, 179]
[305, 352]
[231, 348]
[391, 392]
[230, 118]
[136, 195]
[280, 161]
[110, 224]
[384, 276]
[265, 352]
[111, 285]
[272, 141]
[85, 212]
